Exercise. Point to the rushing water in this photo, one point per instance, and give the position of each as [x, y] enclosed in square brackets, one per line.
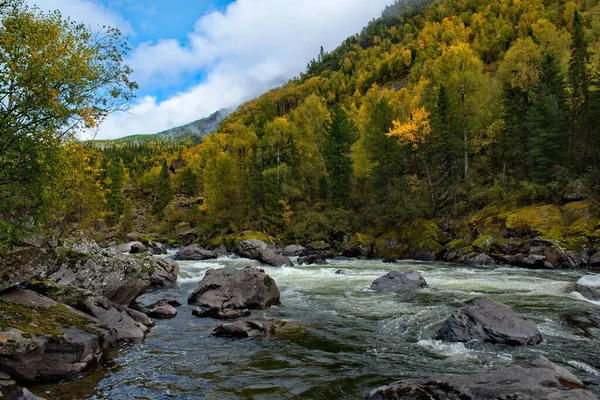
[355, 339]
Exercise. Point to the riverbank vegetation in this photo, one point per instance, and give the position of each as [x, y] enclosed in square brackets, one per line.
[466, 115]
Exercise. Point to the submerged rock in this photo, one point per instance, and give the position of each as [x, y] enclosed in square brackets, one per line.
[249, 288]
[42, 340]
[485, 320]
[9, 389]
[589, 287]
[588, 323]
[218, 313]
[399, 282]
[195, 253]
[258, 250]
[164, 302]
[536, 379]
[241, 329]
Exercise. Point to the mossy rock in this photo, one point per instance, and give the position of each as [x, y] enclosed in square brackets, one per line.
[545, 221]
[390, 245]
[422, 232]
[233, 239]
[455, 245]
[39, 321]
[362, 239]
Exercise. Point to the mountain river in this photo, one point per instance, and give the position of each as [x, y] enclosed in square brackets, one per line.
[353, 339]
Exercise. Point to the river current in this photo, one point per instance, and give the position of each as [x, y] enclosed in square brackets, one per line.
[353, 339]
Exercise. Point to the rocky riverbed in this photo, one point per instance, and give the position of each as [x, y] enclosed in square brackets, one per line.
[344, 339]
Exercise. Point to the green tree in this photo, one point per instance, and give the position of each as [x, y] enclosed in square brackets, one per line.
[583, 141]
[115, 183]
[56, 77]
[340, 135]
[163, 192]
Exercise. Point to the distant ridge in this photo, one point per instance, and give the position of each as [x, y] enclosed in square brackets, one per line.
[196, 129]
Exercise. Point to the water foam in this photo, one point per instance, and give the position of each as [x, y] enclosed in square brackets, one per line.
[581, 366]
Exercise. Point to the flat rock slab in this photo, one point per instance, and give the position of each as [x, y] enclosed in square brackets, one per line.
[230, 288]
[485, 320]
[218, 313]
[195, 253]
[399, 282]
[258, 250]
[163, 312]
[537, 379]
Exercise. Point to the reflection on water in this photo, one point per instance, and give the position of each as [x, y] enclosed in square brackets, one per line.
[356, 339]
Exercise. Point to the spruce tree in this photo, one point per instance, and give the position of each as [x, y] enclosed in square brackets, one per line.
[340, 135]
[582, 140]
[115, 184]
[163, 193]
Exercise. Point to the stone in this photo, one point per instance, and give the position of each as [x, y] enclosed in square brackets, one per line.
[113, 316]
[241, 329]
[399, 282]
[164, 302]
[589, 287]
[340, 272]
[195, 253]
[480, 259]
[23, 264]
[126, 247]
[313, 259]
[389, 260]
[163, 312]
[230, 288]
[218, 313]
[536, 379]
[258, 250]
[531, 262]
[293, 250]
[138, 248]
[42, 340]
[118, 277]
[594, 262]
[485, 320]
[157, 248]
[588, 323]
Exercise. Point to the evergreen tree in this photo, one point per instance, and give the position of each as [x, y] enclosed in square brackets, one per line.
[115, 184]
[340, 135]
[163, 193]
[384, 151]
[582, 141]
[189, 182]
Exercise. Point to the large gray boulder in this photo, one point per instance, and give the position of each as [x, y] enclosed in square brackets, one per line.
[485, 320]
[399, 282]
[128, 247]
[249, 288]
[536, 379]
[42, 340]
[589, 287]
[594, 262]
[118, 277]
[195, 253]
[258, 250]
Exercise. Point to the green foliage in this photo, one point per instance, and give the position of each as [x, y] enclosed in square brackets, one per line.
[163, 193]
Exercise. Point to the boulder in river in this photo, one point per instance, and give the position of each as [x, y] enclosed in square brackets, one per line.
[195, 253]
[589, 287]
[42, 340]
[138, 248]
[249, 288]
[313, 259]
[127, 247]
[536, 379]
[258, 250]
[293, 250]
[241, 329]
[164, 311]
[588, 323]
[157, 248]
[399, 282]
[531, 262]
[486, 320]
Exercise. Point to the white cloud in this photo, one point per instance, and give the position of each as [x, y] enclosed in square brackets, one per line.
[243, 51]
[89, 12]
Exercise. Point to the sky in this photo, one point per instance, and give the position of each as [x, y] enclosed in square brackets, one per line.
[194, 57]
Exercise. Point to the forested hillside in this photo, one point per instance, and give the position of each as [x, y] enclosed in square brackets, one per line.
[434, 112]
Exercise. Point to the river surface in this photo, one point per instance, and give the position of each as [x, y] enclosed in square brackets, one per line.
[353, 340]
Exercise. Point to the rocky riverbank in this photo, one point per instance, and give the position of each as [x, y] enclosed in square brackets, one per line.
[61, 308]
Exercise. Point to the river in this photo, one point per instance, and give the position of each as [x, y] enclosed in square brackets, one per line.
[353, 339]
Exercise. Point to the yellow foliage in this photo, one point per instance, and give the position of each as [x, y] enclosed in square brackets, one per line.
[415, 131]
